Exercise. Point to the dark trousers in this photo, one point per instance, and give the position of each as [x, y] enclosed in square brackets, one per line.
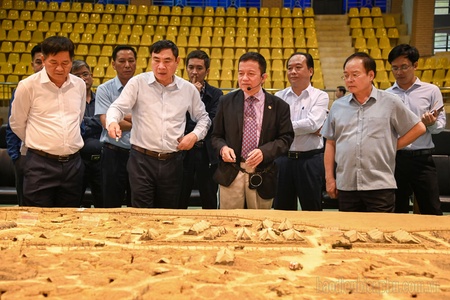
[417, 174]
[93, 179]
[18, 173]
[196, 166]
[300, 178]
[115, 177]
[155, 183]
[367, 201]
[50, 183]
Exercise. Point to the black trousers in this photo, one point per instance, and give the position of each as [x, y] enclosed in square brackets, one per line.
[196, 166]
[155, 183]
[50, 183]
[18, 173]
[367, 201]
[300, 178]
[417, 174]
[93, 179]
[115, 177]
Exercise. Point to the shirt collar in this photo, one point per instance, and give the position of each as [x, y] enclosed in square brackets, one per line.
[416, 83]
[259, 95]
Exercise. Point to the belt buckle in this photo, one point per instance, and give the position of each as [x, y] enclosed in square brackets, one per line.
[160, 156]
[95, 157]
[293, 155]
[63, 158]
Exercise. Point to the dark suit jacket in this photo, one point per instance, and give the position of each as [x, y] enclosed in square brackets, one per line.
[211, 100]
[275, 139]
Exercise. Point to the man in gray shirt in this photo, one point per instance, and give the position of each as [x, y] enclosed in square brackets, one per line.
[115, 152]
[364, 129]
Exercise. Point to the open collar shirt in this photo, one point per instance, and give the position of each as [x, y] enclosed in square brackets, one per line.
[308, 112]
[159, 112]
[366, 139]
[107, 93]
[420, 98]
[47, 117]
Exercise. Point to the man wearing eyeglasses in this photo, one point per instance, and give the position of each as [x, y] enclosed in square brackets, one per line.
[90, 153]
[415, 170]
[364, 129]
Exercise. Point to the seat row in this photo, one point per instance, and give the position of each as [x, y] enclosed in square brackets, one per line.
[100, 8]
[387, 21]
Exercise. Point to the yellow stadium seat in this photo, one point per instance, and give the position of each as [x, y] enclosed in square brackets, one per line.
[366, 23]
[253, 22]
[31, 26]
[389, 21]
[442, 63]
[82, 50]
[6, 68]
[430, 63]
[372, 43]
[25, 15]
[94, 18]
[427, 76]
[165, 10]
[131, 9]
[152, 20]
[276, 23]
[56, 26]
[216, 53]
[121, 9]
[264, 22]
[375, 53]
[355, 23]
[241, 12]
[242, 22]
[357, 33]
[309, 23]
[126, 29]
[353, 12]
[31, 5]
[300, 42]
[308, 12]
[240, 42]
[393, 33]
[384, 43]
[378, 22]
[99, 8]
[50, 16]
[364, 12]
[122, 39]
[146, 39]
[231, 11]
[360, 43]
[117, 19]
[311, 43]
[91, 28]
[111, 39]
[36, 16]
[286, 23]
[230, 22]
[439, 75]
[20, 69]
[228, 53]
[72, 17]
[37, 36]
[114, 29]
[241, 32]
[141, 20]
[369, 33]
[103, 61]
[205, 41]
[25, 36]
[98, 72]
[380, 65]
[129, 19]
[380, 32]
[253, 31]
[83, 18]
[14, 58]
[98, 38]
[376, 12]
[298, 23]
[229, 41]
[19, 25]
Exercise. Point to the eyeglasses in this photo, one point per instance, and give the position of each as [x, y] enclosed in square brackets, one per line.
[83, 75]
[348, 76]
[401, 68]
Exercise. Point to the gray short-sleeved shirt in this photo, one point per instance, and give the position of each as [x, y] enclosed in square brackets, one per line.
[107, 93]
[366, 139]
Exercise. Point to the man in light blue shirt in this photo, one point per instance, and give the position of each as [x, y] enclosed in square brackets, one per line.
[415, 169]
[115, 152]
[364, 130]
[159, 101]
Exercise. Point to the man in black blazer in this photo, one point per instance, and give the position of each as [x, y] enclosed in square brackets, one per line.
[250, 180]
[201, 161]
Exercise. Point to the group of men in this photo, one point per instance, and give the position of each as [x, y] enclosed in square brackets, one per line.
[143, 139]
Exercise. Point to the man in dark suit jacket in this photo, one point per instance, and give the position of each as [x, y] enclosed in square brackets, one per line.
[250, 180]
[201, 161]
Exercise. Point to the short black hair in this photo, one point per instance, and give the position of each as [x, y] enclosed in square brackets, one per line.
[123, 47]
[342, 89]
[164, 44]
[200, 54]
[255, 56]
[309, 59]
[78, 64]
[56, 44]
[368, 62]
[405, 50]
[36, 49]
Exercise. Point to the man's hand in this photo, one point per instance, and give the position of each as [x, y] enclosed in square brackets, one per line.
[429, 118]
[318, 132]
[331, 188]
[114, 131]
[187, 142]
[228, 154]
[197, 84]
[255, 157]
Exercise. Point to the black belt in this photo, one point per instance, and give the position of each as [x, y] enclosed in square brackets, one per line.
[115, 148]
[303, 154]
[158, 155]
[412, 153]
[60, 158]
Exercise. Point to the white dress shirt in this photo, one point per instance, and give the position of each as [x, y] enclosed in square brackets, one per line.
[48, 118]
[308, 113]
[159, 112]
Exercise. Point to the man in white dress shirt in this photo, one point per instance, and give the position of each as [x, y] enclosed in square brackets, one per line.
[46, 115]
[301, 173]
[158, 101]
